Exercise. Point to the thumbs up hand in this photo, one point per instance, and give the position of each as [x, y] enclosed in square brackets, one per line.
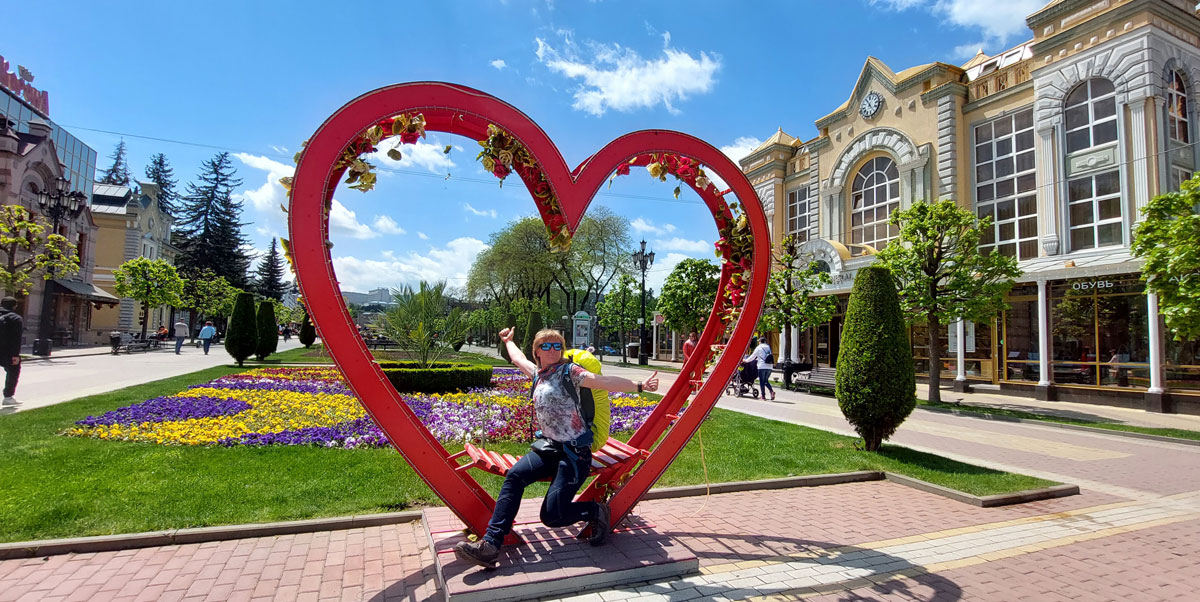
[651, 383]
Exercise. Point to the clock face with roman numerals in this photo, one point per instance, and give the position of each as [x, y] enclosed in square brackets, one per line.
[870, 105]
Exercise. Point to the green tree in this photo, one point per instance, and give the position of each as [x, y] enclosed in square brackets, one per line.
[153, 282]
[1168, 241]
[269, 281]
[159, 171]
[622, 306]
[942, 274]
[241, 338]
[790, 293]
[516, 265]
[687, 295]
[268, 330]
[209, 295]
[308, 334]
[876, 382]
[118, 172]
[28, 250]
[531, 329]
[210, 232]
[423, 324]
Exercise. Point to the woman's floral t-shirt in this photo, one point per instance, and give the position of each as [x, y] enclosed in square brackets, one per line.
[557, 412]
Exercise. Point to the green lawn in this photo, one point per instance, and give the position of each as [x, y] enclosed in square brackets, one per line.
[54, 486]
[1112, 426]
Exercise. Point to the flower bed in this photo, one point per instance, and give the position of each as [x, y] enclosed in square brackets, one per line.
[313, 406]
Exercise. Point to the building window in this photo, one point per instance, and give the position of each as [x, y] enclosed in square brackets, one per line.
[798, 214]
[1094, 211]
[1178, 176]
[875, 195]
[1178, 129]
[1091, 115]
[1005, 185]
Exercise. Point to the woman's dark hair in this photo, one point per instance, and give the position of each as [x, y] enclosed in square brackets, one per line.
[754, 341]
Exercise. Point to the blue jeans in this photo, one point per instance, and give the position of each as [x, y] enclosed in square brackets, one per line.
[179, 343]
[764, 374]
[559, 508]
[207, 344]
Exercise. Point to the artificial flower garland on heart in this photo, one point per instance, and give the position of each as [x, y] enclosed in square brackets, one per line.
[502, 155]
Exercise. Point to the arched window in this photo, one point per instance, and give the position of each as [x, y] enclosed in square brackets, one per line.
[1091, 115]
[1094, 213]
[874, 196]
[1177, 110]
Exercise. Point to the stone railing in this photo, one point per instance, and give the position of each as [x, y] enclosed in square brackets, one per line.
[1000, 80]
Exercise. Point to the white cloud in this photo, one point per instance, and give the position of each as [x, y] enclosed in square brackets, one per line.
[428, 154]
[683, 244]
[485, 213]
[641, 225]
[386, 225]
[999, 21]
[269, 196]
[450, 263]
[283, 150]
[422, 236]
[736, 152]
[345, 221]
[657, 275]
[499, 64]
[618, 78]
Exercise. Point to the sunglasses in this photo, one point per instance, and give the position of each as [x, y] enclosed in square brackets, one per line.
[549, 346]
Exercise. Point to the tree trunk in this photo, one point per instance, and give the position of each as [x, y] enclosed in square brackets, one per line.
[146, 319]
[935, 360]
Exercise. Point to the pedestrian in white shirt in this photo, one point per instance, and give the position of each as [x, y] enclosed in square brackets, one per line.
[766, 360]
[181, 333]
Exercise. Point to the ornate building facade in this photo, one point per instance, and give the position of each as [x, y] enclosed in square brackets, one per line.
[1061, 140]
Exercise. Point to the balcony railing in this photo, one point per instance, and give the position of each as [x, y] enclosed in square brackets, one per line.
[999, 80]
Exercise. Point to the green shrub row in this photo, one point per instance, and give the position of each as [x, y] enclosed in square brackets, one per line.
[409, 377]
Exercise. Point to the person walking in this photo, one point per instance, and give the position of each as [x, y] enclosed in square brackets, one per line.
[689, 345]
[206, 335]
[562, 449]
[11, 326]
[181, 333]
[762, 353]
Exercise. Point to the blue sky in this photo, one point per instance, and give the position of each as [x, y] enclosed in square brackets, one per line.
[257, 78]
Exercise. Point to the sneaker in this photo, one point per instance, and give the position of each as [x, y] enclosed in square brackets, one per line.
[9, 401]
[600, 527]
[772, 396]
[480, 553]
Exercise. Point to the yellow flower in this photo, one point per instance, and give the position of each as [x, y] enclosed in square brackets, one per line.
[657, 170]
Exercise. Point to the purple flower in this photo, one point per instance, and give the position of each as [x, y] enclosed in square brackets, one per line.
[168, 409]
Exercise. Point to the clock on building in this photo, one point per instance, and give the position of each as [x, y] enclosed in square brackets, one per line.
[870, 105]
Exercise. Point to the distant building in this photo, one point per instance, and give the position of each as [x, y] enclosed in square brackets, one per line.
[132, 224]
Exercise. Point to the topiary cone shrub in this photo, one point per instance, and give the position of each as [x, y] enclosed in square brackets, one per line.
[308, 333]
[876, 380]
[535, 324]
[241, 339]
[509, 320]
[268, 331]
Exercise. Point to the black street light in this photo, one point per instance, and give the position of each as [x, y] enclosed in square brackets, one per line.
[58, 203]
[642, 261]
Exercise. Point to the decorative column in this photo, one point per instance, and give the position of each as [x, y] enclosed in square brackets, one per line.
[795, 343]
[1047, 188]
[1140, 171]
[833, 225]
[674, 344]
[1157, 399]
[960, 350]
[1045, 386]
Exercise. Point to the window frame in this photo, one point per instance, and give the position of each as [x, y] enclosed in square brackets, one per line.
[1094, 201]
[1092, 123]
[1016, 177]
[794, 227]
[1177, 92]
[859, 186]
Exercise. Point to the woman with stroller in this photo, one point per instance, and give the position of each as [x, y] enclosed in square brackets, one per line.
[762, 354]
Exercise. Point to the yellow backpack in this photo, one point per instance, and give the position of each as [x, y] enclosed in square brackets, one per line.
[594, 403]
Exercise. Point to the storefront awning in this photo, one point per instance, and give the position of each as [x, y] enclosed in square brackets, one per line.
[88, 291]
[1091, 265]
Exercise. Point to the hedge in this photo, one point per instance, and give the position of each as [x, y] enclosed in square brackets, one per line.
[410, 377]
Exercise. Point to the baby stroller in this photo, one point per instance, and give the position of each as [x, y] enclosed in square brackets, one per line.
[743, 380]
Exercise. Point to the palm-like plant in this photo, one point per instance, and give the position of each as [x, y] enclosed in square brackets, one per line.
[423, 324]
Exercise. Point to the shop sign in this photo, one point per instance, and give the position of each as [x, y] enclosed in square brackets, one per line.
[1087, 285]
[969, 330]
[21, 85]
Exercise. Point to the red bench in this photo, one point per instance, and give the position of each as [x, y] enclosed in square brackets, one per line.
[614, 454]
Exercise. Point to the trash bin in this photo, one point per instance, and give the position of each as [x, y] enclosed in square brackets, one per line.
[41, 347]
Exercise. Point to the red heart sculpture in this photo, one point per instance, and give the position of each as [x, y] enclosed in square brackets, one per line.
[460, 110]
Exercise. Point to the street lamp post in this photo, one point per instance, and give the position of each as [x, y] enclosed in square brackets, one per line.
[642, 261]
[58, 203]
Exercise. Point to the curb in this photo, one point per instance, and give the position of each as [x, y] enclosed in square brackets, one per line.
[1062, 425]
[110, 543]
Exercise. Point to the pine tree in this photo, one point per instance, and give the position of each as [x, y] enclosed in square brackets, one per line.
[269, 275]
[159, 171]
[210, 230]
[241, 339]
[119, 172]
[268, 331]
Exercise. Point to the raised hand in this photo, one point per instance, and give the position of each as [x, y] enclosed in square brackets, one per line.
[506, 335]
[651, 383]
